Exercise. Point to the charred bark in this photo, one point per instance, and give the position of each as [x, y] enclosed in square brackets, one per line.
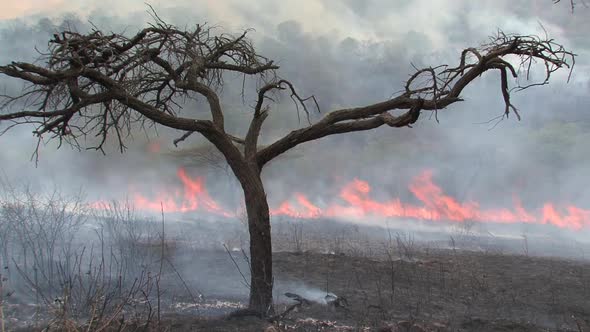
[261, 280]
[245, 168]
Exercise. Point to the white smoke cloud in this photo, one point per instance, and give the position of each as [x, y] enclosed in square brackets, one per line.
[349, 54]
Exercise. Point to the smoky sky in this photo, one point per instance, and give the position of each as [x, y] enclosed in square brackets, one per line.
[349, 53]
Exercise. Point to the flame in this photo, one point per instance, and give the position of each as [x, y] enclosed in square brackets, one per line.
[307, 211]
[154, 147]
[193, 197]
[354, 202]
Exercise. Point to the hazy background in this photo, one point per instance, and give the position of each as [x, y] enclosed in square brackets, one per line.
[346, 53]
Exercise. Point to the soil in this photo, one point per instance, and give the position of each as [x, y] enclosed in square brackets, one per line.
[427, 290]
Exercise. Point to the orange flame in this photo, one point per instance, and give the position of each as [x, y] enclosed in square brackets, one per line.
[154, 147]
[356, 203]
[308, 210]
[193, 197]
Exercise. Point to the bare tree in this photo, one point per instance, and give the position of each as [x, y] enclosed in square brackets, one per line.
[572, 3]
[105, 84]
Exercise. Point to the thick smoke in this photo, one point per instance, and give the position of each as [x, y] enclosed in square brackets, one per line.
[541, 158]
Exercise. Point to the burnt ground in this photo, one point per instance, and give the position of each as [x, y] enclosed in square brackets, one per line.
[434, 290]
[442, 290]
[473, 283]
[450, 290]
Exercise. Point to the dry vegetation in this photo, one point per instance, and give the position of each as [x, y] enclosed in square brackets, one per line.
[68, 270]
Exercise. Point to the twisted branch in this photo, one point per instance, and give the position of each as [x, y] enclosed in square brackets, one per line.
[94, 83]
[442, 87]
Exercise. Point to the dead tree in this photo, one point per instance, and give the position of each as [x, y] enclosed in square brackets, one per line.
[107, 84]
[572, 3]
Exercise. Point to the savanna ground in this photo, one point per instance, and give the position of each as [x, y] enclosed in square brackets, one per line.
[419, 289]
[348, 278]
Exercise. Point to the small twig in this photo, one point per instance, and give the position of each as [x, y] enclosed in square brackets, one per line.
[188, 289]
[182, 138]
[162, 253]
[245, 281]
[2, 326]
[282, 315]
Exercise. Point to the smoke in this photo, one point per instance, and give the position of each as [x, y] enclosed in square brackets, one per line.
[360, 52]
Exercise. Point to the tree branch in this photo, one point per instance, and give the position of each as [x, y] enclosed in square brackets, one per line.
[349, 120]
[98, 80]
[443, 88]
[147, 73]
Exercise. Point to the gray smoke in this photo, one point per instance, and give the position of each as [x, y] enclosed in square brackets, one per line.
[366, 57]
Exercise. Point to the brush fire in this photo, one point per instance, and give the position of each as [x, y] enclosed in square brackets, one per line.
[353, 202]
[327, 174]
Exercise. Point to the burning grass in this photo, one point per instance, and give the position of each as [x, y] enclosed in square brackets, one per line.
[119, 272]
[353, 202]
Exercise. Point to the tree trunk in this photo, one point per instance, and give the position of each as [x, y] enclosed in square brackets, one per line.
[261, 280]
[246, 169]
